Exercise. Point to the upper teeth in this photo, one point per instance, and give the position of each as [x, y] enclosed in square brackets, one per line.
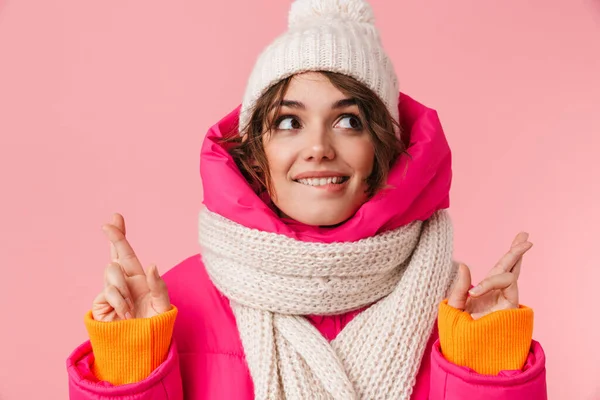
[320, 181]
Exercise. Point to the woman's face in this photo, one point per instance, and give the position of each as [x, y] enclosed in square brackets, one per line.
[319, 153]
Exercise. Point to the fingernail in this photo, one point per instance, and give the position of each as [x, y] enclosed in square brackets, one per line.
[476, 290]
[127, 315]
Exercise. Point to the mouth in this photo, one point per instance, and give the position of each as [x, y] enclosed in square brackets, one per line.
[323, 181]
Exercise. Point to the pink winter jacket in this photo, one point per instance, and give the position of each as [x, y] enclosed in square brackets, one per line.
[206, 358]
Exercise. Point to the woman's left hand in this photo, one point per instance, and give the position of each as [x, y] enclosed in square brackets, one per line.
[498, 291]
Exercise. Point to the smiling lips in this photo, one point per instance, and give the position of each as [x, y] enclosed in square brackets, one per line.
[331, 181]
[322, 181]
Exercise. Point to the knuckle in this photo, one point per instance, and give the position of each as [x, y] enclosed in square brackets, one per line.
[113, 273]
[121, 241]
[113, 296]
[129, 256]
[111, 266]
[109, 289]
[122, 290]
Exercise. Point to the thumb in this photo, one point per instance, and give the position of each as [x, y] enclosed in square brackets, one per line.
[158, 290]
[460, 291]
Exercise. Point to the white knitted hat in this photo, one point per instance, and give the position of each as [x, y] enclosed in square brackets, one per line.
[325, 35]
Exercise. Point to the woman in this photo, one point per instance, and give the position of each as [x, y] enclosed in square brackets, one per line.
[326, 251]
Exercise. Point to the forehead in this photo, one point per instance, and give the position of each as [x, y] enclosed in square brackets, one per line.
[313, 89]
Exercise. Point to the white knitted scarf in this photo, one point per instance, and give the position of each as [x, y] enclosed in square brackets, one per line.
[273, 280]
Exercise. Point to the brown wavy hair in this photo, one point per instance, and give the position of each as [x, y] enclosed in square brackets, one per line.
[249, 154]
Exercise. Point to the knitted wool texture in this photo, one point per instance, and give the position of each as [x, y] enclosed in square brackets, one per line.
[325, 35]
[272, 281]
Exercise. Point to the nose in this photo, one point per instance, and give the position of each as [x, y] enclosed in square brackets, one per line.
[318, 145]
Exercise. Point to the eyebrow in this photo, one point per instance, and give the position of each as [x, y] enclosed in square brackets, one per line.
[343, 103]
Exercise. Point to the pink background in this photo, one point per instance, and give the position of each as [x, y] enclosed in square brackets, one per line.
[103, 106]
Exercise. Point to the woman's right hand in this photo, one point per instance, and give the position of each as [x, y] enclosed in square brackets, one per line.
[129, 291]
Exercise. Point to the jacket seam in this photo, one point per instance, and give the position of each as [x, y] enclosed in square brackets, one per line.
[162, 383]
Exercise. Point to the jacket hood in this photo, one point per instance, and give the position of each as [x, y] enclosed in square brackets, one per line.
[419, 183]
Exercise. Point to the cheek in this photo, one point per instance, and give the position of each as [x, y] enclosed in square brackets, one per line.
[362, 158]
[279, 159]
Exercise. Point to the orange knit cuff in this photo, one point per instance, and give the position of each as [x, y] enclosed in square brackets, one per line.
[128, 351]
[499, 341]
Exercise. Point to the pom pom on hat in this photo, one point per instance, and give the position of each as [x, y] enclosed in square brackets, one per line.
[303, 11]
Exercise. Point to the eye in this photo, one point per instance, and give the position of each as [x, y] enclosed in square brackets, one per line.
[351, 122]
[287, 122]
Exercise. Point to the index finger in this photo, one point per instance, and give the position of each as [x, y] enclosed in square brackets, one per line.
[119, 222]
[127, 257]
[510, 259]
